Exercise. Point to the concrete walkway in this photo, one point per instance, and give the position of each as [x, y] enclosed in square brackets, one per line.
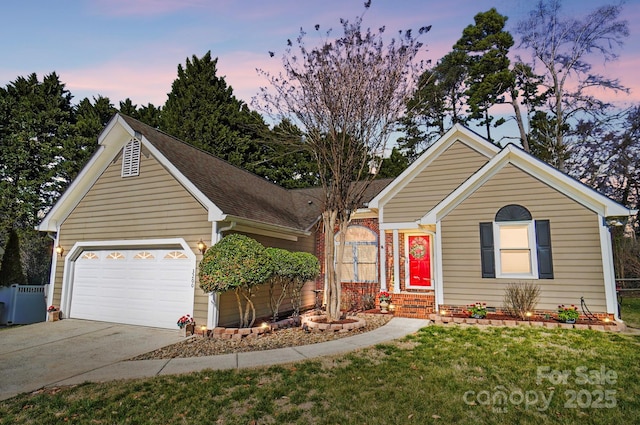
[398, 327]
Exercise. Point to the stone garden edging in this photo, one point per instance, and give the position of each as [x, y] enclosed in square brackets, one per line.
[444, 320]
[308, 322]
[254, 332]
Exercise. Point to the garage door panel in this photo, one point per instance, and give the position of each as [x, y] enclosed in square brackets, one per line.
[143, 287]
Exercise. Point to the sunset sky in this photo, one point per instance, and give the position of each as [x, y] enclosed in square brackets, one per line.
[131, 48]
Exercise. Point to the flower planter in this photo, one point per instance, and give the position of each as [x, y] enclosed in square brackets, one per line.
[187, 330]
[384, 307]
[53, 316]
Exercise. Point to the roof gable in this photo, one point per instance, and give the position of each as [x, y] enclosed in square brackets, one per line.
[458, 133]
[222, 188]
[573, 189]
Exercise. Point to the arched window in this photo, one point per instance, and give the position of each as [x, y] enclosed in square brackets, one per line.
[515, 241]
[516, 246]
[360, 260]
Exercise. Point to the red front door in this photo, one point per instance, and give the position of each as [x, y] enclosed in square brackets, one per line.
[420, 261]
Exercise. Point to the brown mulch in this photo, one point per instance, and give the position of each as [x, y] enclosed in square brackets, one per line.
[198, 346]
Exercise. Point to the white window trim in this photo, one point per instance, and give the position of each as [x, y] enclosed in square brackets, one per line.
[407, 277]
[531, 231]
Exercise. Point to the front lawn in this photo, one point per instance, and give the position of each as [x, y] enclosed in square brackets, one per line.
[631, 310]
[441, 375]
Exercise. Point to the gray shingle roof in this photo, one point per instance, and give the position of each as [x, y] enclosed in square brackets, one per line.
[238, 192]
[235, 191]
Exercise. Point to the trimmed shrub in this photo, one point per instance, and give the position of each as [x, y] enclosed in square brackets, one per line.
[237, 263]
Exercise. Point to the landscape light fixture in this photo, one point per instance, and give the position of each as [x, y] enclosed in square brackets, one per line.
[202, 246]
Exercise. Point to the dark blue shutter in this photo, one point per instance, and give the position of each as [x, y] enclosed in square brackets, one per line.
[543, 248]
[487, 256]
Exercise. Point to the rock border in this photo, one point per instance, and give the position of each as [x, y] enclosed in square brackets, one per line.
[309, 323]
[240, 333]
[445, 320]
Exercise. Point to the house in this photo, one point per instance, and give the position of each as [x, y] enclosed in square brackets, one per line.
[129, 226]
[456, 227]
[467, 218]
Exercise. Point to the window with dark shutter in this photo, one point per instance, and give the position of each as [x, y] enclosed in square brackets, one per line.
[516, 246]
[487, 250]
[543, 246]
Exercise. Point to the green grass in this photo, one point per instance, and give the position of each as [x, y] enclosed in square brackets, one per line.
[631, 311]
[422, 379]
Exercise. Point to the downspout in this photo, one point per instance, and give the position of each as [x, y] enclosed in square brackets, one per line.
[213, 311]
[224, 229]
[52, 272]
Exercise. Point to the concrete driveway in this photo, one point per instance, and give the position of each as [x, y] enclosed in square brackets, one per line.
[43, 354]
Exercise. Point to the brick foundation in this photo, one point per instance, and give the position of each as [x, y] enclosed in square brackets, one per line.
[448, 310]
[412, 305]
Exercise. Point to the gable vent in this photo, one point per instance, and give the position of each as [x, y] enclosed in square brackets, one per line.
[131, 158]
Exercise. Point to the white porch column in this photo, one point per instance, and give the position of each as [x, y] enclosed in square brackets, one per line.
[382, 240]
[396, 262]
[437, 252]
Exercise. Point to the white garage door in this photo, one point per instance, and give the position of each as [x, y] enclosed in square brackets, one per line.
[138, 287]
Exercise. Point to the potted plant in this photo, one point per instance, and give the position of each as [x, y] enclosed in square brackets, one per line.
[477, 310]
[385, 299]
[568, 314]
[53, 313]
[187, 325]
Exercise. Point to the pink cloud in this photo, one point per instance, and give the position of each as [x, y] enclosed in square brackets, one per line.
[118, 82]
[145, 7]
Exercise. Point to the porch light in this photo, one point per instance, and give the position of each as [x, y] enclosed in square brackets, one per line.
[59, 250]
[202, 246]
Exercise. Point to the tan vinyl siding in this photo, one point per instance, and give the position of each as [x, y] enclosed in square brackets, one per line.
[575, 243]
[434, 183]
[152, 205]
[229, 314]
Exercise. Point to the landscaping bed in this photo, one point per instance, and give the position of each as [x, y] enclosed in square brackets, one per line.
[497, 319]
[198, 346]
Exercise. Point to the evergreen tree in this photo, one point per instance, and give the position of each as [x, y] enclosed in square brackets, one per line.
[11, 268]
[394, 165]
[37, 119]
[202, 110]
[149, 114]
[435, 105]
[487, 45]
